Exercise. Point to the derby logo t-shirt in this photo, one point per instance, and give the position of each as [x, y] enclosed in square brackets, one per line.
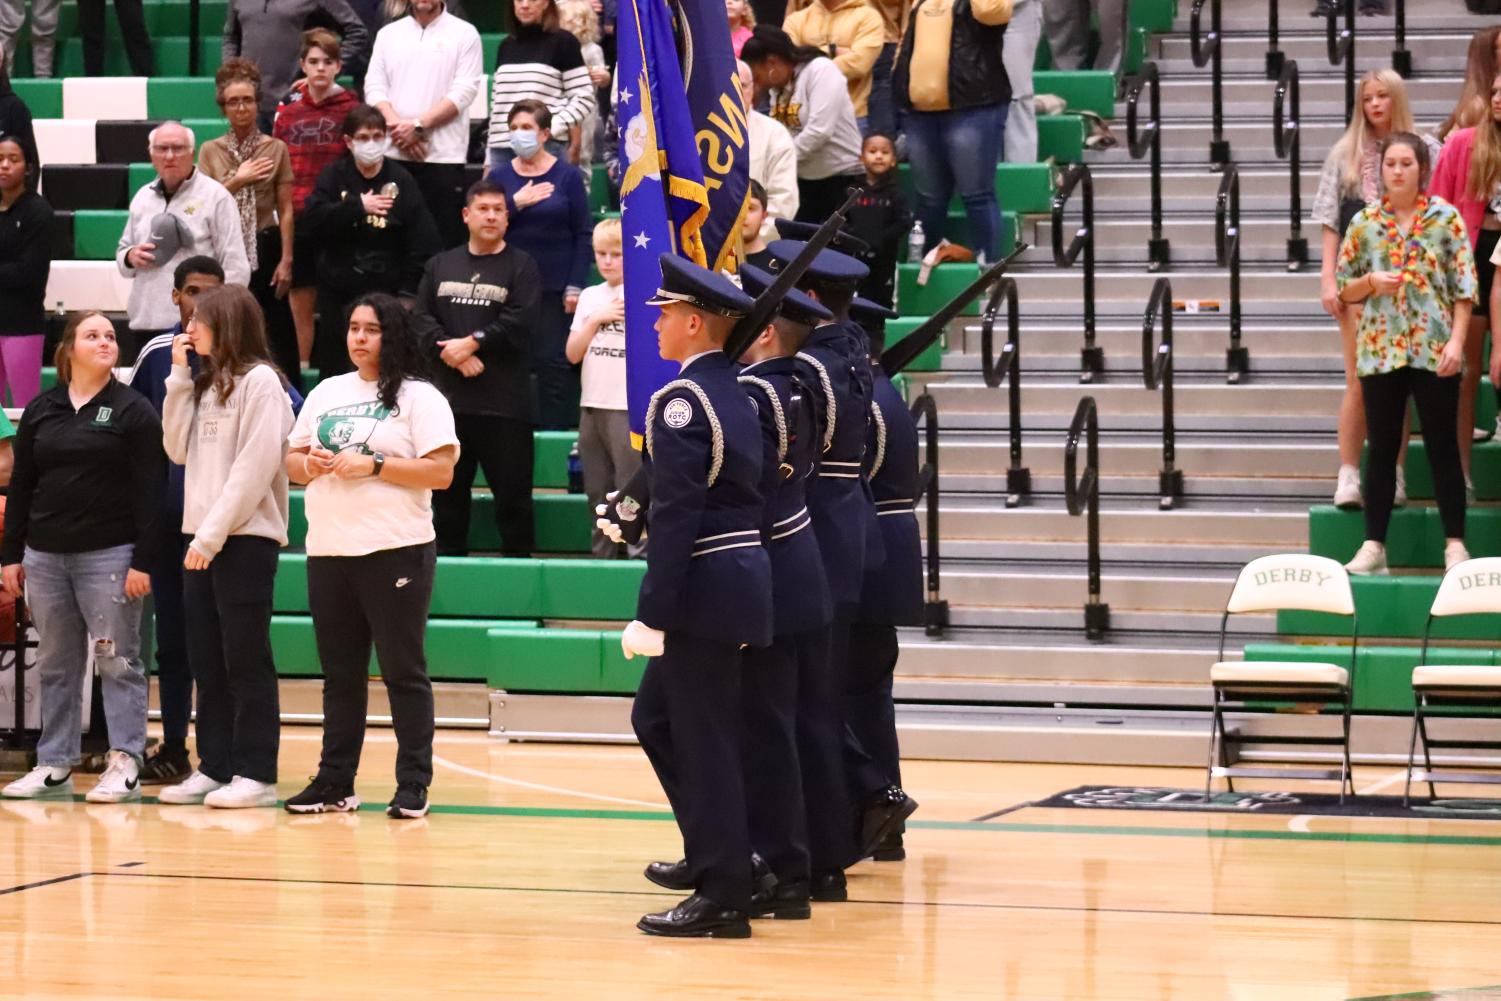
[369, 514]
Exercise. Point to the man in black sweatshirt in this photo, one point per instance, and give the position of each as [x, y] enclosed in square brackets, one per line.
[478, 307]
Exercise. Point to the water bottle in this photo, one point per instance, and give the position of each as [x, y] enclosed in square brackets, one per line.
[575, 470]
[915, 244]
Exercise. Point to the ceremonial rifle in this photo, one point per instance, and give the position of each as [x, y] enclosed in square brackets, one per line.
[901, 354]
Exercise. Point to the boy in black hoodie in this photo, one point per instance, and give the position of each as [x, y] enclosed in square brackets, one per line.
[881, 217]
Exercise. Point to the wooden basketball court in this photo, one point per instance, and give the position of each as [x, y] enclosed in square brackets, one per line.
[525, 882]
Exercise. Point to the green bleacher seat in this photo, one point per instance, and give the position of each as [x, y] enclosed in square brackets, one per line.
[1391, 607]
[579, 661]
[1060, 137]
[163, 17]
[96, 233]
[1383, 674]
[1485, 467]
[457, 649]
[1084, 90]
[1415, 536]
[930, 360]
[171, 56]
[181, 97]
[563, 524]
[142, 174]
[591, 589]
[944, 282]
[550, 457]
[44, 98]
[1021, 187]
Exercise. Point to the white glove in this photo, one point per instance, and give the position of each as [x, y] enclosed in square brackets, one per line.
[639, 638]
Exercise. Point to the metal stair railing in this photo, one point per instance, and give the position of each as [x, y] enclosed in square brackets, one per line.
[1082, 495]
[1341, 48]
[1227, 254]
[1145, 141]
[935, 609]
[14, 738]
[1275, 57]
[1210, 52]
[1287, 137]
[1157, 374]
[1092, 357]
[1018, 477]
[1401, 57]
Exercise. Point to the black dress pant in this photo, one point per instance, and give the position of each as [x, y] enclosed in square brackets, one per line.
[687, 717]
[557, 379]
[382, 597]
[132, 20]
[1385, 398]
[871, 753]
[502, 447]
[281, 331]
[228, 610]
[174, 676]
[817, 200]
[820, 748]
[442, 186]
[773, 776]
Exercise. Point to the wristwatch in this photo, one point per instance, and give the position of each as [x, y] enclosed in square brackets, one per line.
[479, 338]
[380, 461]
[419, 128]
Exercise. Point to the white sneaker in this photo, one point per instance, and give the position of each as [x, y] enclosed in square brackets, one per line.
[1370, 559]
[1399, 499]
[189, 791]
[42, 782]
[1455, 553]
[1347, 491]
[120, 782]
[242, 793]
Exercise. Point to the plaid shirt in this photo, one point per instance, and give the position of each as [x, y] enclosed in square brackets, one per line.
[313, 136]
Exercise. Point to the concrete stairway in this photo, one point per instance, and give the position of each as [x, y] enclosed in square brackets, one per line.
[1015, 676]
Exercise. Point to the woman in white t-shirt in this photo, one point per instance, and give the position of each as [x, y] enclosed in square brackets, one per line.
[372, 445]
[597, 343]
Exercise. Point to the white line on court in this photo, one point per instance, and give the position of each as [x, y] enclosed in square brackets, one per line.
[522, 783]
[1301, 821]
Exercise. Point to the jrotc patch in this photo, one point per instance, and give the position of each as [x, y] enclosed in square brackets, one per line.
[677, 413]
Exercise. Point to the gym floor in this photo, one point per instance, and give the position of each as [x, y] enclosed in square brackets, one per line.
[525, 882]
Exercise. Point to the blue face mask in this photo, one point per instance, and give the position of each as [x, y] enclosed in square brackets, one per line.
[525, 144]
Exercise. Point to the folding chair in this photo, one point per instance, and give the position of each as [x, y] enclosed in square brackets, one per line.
[1290, 581]
[1471, 588]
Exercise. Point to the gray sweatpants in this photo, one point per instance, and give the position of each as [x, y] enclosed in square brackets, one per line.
[44, 14]
[609, 461]
[1067, 25]
[1018, 54]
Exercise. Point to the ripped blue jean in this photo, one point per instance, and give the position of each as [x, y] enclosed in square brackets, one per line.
[72, 597]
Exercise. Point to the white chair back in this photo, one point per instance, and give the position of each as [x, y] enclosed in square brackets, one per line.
[1472, 587]
[1293, 580]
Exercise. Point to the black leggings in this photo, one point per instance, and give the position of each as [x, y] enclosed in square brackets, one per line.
[1437, 401]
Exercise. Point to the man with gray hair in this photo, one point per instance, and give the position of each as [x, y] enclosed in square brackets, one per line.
[184, 212]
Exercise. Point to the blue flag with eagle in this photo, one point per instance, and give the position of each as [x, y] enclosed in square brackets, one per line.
[682, 191]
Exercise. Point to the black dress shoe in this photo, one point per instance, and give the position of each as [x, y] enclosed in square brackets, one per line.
[788, 901]
[697, 917]
[890, 849]
[829, 887]
[884, 818]
[675, 876]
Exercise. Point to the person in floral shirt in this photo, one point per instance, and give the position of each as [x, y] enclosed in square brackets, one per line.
[1408, 259]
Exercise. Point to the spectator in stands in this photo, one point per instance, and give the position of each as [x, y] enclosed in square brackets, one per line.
[1350, 181]
[480, 304]
[174, 678]
[267, 31]
[754, 229]
[257, 170]
[852, 34]
[184, 212]
[809, 96]
[597, 343]
[132, 18]
[881, 218]
[550, 220]
[1408, 259]
[424, 75]
[15, 120]
[373, 230]
[773, 158]
[1018, 54]
[882, 110]
[309, 122]
[372, 446]
[1481, 67]
[1468, 176]
[951, 76]
[44, 15]
[1067, 26]
[1368, 8]
[742, 22]
[577, 18]
[80, 520]
[539, 61]
[228, 426]
[25, 263]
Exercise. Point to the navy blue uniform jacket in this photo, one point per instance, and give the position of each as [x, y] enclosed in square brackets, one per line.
[893, 593]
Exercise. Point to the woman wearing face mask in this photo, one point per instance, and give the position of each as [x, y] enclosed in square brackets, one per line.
[373, 229]
[540, 61]
[549, 212]
[1408, 260]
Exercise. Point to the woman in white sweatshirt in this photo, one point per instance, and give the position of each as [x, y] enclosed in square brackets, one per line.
[228, 425]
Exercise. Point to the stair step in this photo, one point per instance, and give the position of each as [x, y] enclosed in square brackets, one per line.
[1264, 523]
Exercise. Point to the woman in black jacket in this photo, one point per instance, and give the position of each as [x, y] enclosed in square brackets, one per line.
[25, 263]
[373, 230]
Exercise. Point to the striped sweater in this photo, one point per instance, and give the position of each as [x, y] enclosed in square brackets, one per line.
[547, 66]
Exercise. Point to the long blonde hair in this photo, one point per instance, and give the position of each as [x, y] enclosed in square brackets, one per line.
[1485, 158]
[1474, 102]
[1351, 146]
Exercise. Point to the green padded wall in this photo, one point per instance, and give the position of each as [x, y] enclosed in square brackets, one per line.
[944, 282]
[96, 233]
[1415, 536]
[931, 360]
[1060, 137]
[181, 97]
[563, 524]
[1392, 607]
[1383, 675]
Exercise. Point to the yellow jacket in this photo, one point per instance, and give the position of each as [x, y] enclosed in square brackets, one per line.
[856, 31]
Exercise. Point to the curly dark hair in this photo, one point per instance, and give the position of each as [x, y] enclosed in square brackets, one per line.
[236, 70]
[401, 355]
